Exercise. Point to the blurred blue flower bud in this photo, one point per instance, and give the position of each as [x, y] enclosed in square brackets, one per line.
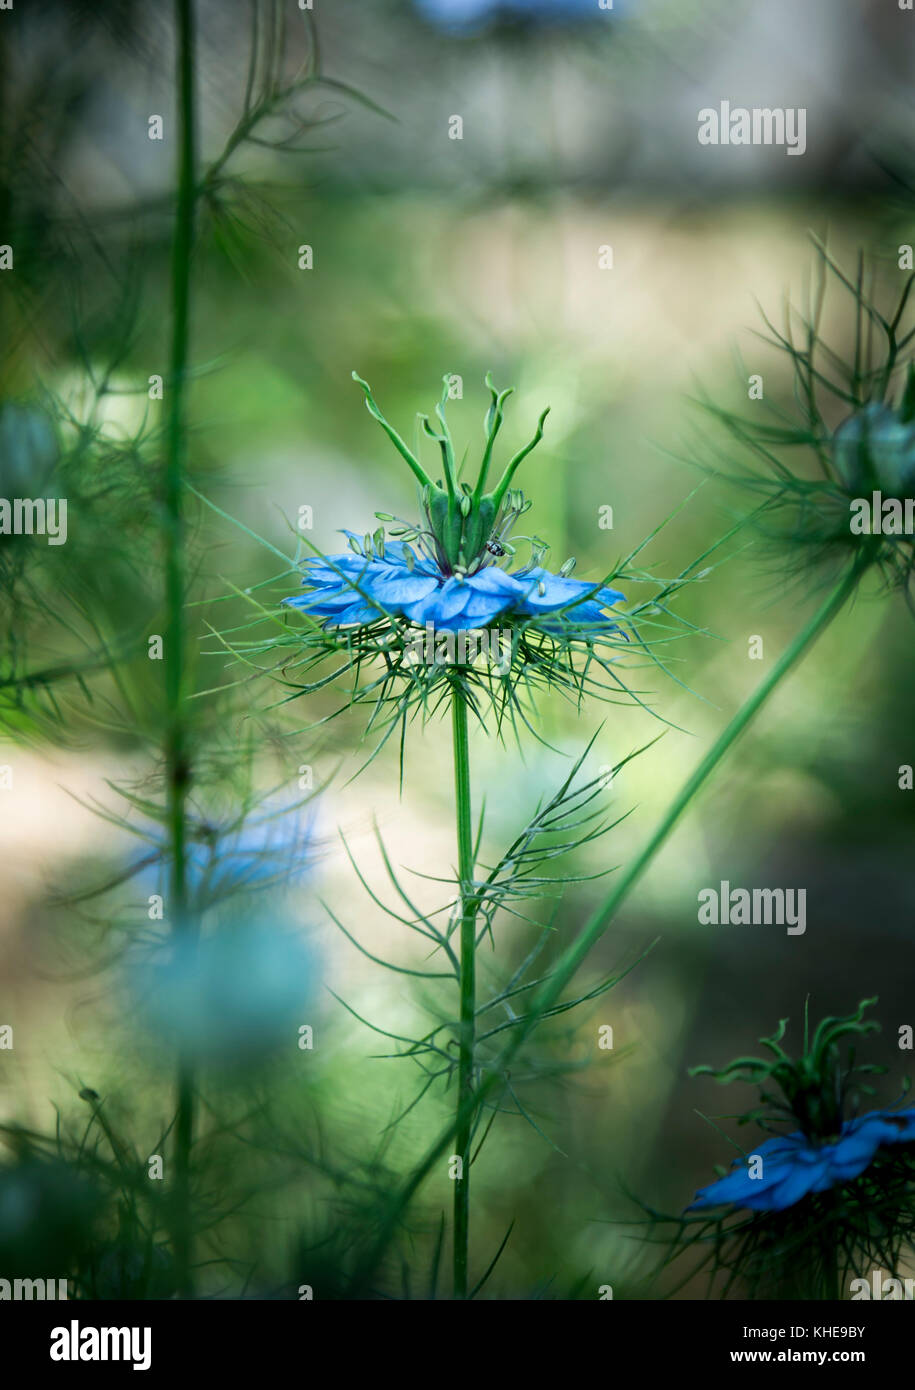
[28, 450]
[232, 997]
[874, 449]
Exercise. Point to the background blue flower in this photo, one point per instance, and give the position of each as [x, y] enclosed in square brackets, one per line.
[794, 1166]
[271, 847]
[471, 14]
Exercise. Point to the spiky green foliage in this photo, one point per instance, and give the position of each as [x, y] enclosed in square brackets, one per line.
[844, 432]
[511, 905]
[402, 673]
[78, 669]
[811, 1248]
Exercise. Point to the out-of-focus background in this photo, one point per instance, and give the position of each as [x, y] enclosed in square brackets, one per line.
[433, 255]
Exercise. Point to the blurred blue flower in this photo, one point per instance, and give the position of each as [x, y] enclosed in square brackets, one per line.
[28, 450]
[231, 997]
[470, 14]
[793, 1165]
[274, 846]
[405, 584]
[277, 843]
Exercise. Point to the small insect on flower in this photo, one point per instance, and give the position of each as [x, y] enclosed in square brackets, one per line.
[358, 588]
[450, 578]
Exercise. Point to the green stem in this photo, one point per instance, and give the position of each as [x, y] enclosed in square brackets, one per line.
[594, 929]
[177, 760]
[832, 1289]
[832, 1279]
[465, 1112]
[601, 918]
[519, 458]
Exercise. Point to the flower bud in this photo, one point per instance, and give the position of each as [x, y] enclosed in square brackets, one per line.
[874, 449]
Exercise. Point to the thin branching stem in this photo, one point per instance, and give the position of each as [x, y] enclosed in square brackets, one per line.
[465, 1114]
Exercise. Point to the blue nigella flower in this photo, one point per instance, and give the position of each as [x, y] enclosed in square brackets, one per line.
[28, 450]
[830, 1194]
[794, 1166]
[350, 589]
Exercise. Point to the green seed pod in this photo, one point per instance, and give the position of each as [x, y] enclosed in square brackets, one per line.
[478, 528]
[874, 449]
[445, 522]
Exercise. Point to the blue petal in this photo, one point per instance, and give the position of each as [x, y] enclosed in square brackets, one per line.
[899, 1126]
[399, 553]
[886, 1126]
[357, 612]
[407, 584]
[322, 603]
[559, 592]
[495, 582]
[780, 1155]
[481, 609]
[857, 1146]
[736, 1189]
[448, 602]
[333, 568]
[801, 1177]
[582, 615]
[398, 587]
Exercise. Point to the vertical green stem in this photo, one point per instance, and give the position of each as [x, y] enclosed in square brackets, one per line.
[601, 918]
[177, 760]
[465, 1114]
[832, 1278]
[6, 174]
[831, 1252]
